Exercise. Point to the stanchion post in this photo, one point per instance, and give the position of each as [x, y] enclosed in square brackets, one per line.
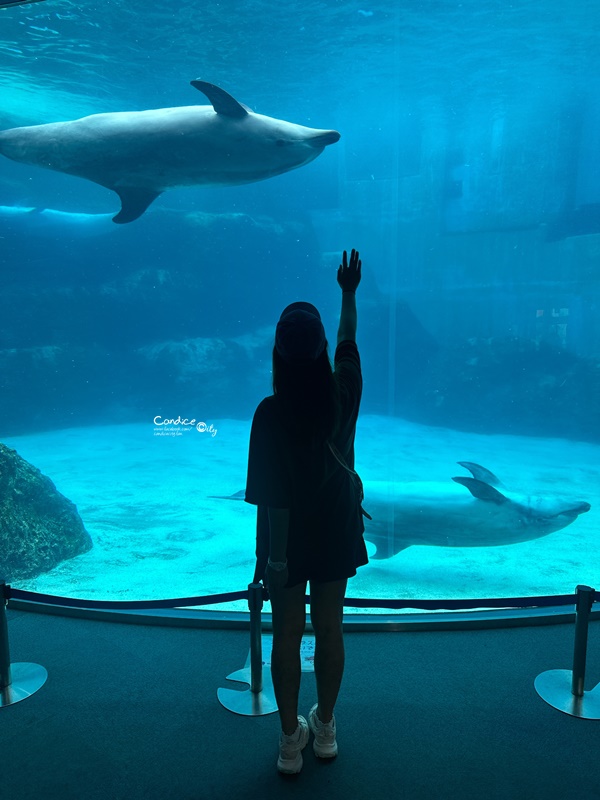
[585, 600]
[5, 676]
[564, 688]
[255, 603]
[17, 681]
[259, 698]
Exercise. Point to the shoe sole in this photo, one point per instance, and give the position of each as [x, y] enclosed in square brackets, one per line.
[291, 770]
[322, 754]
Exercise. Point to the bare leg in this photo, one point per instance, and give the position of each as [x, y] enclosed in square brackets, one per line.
[326, 611]
[289, 619]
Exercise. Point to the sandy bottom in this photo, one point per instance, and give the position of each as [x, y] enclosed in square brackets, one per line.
[146, 502]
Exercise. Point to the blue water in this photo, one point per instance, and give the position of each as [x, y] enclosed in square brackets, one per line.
[468, 175]
[153, 507]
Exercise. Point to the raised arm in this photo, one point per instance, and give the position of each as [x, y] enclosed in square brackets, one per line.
[348, 277]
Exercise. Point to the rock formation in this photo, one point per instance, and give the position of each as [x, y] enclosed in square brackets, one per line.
[39, 527]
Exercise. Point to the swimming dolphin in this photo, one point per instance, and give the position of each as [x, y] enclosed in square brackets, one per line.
[444, 515]
[140, 154]
[24, 220]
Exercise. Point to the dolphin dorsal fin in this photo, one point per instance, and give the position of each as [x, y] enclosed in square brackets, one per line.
[482, 490]
[481, 473]
[222, 102]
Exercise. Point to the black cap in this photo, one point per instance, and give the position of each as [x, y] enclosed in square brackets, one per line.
[300, 336]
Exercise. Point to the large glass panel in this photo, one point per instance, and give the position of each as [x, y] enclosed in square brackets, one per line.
[468, 175]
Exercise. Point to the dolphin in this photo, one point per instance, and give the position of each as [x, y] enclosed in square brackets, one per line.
[140, 154]
[25, 219]
[444, 515]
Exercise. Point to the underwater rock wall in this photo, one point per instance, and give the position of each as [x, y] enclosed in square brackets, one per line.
[174, 316]
[39, 527]
[506, 385]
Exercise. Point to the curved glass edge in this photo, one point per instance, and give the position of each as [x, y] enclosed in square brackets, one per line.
[237, 620]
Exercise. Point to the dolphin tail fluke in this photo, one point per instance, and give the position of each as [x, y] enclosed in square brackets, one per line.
[134, 201]
[385, 552]
[385, 547]
[241, 495]
[380, 555]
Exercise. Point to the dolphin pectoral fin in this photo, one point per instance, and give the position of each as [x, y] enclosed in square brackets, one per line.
[482, 491]
[222, 102]
[481, 473]
[134, 201]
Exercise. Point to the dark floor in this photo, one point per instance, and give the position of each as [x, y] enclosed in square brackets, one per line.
[131, 711]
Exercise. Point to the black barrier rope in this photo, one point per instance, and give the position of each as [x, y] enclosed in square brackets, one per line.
[349, 602]
[116, 605]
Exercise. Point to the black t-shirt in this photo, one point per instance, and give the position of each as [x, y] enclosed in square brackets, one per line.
[325, 540]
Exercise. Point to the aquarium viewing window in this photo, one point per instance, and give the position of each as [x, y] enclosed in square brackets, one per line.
[160, 207]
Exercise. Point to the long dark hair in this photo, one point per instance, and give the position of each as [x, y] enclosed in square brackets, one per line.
[308, 396]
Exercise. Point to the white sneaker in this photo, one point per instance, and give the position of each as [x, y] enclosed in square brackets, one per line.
[324, 745]
[291, 747]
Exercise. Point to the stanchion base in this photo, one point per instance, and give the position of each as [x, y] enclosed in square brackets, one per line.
[248, 703]
[554, 687]
[26, 680]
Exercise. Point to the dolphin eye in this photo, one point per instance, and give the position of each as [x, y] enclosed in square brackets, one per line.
[281, 142]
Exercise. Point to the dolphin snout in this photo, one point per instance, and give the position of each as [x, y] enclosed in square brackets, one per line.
[575, 510]
[581, 508]
[325, 138]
